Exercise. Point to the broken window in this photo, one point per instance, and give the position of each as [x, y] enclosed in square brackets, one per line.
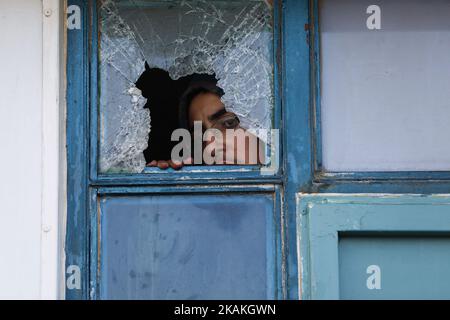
[158, 42]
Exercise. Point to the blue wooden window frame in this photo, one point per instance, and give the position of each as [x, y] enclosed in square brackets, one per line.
[315, 178]
[320, 227]
[292, 92]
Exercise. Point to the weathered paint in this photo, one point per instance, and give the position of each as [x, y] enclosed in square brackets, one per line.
[322, 218]
[85, 184]
[77, 149]
[297, 133]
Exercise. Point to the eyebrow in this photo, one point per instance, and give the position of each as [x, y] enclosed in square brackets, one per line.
[217, 115]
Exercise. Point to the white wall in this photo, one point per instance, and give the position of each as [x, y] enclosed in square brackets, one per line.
[29, 137]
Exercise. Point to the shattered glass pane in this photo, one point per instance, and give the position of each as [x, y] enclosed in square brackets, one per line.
[232, 40]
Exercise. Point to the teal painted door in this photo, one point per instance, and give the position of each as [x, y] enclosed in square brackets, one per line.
[374, 247]
[187, 247]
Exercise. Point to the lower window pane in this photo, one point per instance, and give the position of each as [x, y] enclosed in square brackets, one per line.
[187, 247]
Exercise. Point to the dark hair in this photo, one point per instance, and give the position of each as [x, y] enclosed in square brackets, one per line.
[191, 92]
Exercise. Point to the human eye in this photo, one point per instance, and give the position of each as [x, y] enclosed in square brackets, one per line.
[231, 123]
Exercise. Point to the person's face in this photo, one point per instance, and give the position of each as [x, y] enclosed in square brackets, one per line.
[209, 109]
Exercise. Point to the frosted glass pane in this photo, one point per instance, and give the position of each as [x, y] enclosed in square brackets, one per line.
[187, 247]
[401, 260]
[385, 94]
[228, 40]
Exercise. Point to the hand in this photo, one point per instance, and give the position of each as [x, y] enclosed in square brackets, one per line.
[165, 164]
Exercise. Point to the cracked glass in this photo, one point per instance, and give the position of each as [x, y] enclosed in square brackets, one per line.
[230, 40]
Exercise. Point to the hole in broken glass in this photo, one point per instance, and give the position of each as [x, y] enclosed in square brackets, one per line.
[176, 105]
[231, 41]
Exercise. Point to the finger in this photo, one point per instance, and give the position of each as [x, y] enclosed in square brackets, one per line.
[188, 161]
[153, 163]
[162, 164]
[175, 164]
